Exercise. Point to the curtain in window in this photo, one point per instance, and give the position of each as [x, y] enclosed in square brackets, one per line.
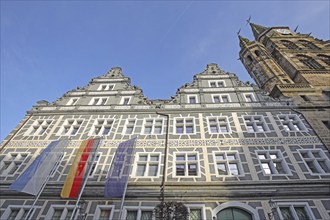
[286, 213]
[301, 213]
[146, 215]
[131, 215]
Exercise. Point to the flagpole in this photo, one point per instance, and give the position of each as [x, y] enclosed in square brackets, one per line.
[125, 189]
[42, 188]
[84, 184]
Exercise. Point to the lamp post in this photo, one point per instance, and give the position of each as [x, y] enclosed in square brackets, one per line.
[273, 206]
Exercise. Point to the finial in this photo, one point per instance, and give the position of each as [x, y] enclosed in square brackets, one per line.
[248, 20]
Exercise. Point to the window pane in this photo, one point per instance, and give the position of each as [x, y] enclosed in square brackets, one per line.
[265, 167]
[324, 166]
[222, 169]
[154, 158]
[195, 214]
[233, 169]
[131, 215]
[219, 157]
[286, 213]
[189, 129]
[140, 170]
[214, 129]
[223, 128]
[153, 170]
[13, 214]
[143, 158]
[158, 130]
[180, 157]
[57, 214]
[192, 157]
[279, 167]
[192, 170]
[105, 214]
[180, 169]
[312, 167]
[68, 214]
[146, 215]
[179, 130]
[231, 156]
[301, 213]
[147, 130]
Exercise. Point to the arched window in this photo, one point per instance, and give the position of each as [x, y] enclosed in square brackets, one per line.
[233, 213]
[309, 62]
[257, 52]
[308, 44]
[290, 45]
[324, 58]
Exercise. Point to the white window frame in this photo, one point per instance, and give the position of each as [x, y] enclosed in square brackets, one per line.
[99, 208]
[220, 96]
[22, 210]
[226, 161]
[292, 205]
[37, 126]
[57, 165]
[253, 99]
[153, 126]
[20, 158]
[315, 160]
[197, 206]
[72, 101]
[186, 162]
[70, 123]
[98, 101]
[219, 124]
[192, 96]
[95, 163]
[101, 123]
[65, 208]
[271, 161]
[184, 124]
[147, 164]
[122, 101]
[290, 122]
[108, 87]
[139, 210]
[217, 83]
[127, 122]
[255, 121]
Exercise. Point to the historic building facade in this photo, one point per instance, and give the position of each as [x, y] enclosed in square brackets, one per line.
[221, 147]
[283, 62]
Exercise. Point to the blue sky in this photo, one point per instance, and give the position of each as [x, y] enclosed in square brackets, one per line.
[50, 47]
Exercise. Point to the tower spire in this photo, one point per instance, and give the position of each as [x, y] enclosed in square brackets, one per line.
[257, 30]
[243, 42]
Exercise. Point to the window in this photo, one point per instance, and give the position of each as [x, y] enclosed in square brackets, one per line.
[72, 101]
[249, 98]
[98, 101]
[12, 162]
[39, 127]
[147, 164]
[184, 125]
[94, 165]
[305, 98]
[125, 100]
[309, 62]
[227, 163]
[218, 125]
[291, 123]
[186, 164]
[221, 98]
[153, 126]
[102, 127]
[104, 212]
[255, 124]
[130, 124]
[58, 212]
[106, 87]
[234, 213]
[308, 45]
[299, 211]
[217, 83]
[316, 161]
[192, 99]
[327, 124]
[196, 212]
[16, 212]
[324, 58]
[290, 45]
[272, 162]
[70, 127]
[139, 214]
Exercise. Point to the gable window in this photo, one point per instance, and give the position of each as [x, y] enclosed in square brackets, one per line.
[39, 127]
[316, 161]
[186, 164]
[290, 45]
[249, 97]
[309, 62]
[218, 125]
[221, 98]
[153, 126]
[292, 123]
[295, 211]
[192, 99]
[72, 101]
[102, 127]
[255, 124]
[130, 124]
[308, 45]
[184, 125]
[106, 87]
[217, 83]
[70, 127]
[12, 162]
[125, 100]
[147, 164]
[98, 101]
[324, 58]
[272, 162]
[227, 163]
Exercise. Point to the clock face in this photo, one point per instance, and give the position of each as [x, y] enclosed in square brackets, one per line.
[283, 31]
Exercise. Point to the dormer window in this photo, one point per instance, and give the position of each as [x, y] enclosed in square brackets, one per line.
[249, 97]
[192, 99]
[106, 87]
[217, 83]
[72, 101]
[98, 101]
[125, 100]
